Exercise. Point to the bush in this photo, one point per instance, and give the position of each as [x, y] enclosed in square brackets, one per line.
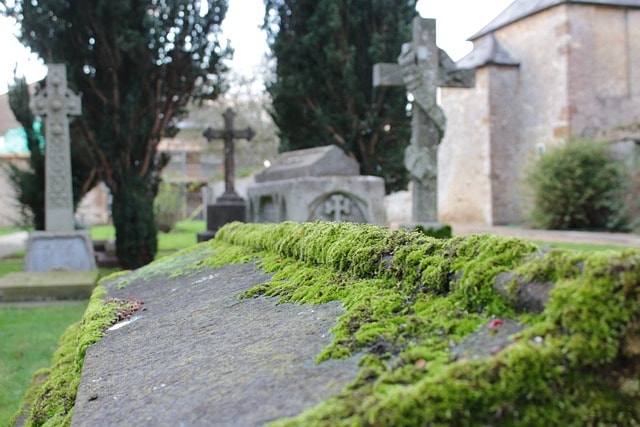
[577, 186]
[167, 207]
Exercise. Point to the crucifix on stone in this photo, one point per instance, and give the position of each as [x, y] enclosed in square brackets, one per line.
[57, 102]
[228, 134]
[230, 206]
[423, 67]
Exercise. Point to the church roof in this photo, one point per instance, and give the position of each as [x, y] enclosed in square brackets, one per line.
[520, 9]
[487, 51]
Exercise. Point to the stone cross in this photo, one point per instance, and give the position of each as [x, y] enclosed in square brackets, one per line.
[337, 205]
[423, 67]
[228, 134]
[57, 102]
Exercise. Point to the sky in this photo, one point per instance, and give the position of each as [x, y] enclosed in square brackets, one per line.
[456, 20]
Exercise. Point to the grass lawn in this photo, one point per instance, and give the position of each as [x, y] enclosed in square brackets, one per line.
[29, 334]
[9, 230]
[586, 247]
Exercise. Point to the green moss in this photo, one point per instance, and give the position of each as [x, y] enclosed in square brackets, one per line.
[407, 298]
[442, 232]
[52, 400]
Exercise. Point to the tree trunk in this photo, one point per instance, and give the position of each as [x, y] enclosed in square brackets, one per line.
[134, 221]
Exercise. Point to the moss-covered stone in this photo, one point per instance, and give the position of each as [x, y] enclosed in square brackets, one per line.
[411, 304]
[50, 402]
[408, 299]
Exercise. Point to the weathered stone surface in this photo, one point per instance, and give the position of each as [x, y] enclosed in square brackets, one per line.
[54, 285]
[57, 102]
[320, 161]
[198, 356]
[489, 340]
[56, 251]
[522, 295]
[331, 198]
[320, 183]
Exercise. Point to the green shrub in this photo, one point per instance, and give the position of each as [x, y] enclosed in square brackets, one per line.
[442, 232]
[577, 186]
[167, 207]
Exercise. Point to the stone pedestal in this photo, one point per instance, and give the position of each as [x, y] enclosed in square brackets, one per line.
[227, 208]
[47, 286]
[59, 251]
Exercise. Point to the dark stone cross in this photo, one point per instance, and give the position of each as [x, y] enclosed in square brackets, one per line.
[423, 67]
[228, 134]
[230, 206]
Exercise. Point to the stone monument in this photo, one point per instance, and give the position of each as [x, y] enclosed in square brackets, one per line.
[59, 247]
[312, 184]
[230, 206]
[423, 67]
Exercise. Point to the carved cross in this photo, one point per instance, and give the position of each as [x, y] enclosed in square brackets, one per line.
[228, 134]
[423, 67]
[337, 205]
[57, 102]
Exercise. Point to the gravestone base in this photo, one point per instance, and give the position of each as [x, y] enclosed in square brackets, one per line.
[105, 253]
[228, 208]
[47, 286]
[434, 229]
[59, 251]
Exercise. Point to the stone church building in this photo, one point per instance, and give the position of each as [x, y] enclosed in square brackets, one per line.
[546, 70]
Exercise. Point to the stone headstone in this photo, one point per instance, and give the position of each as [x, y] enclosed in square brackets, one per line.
[321, 161]
[59, 247]
[422, 67]
[321, 183]
[57, 102]
[230, 206]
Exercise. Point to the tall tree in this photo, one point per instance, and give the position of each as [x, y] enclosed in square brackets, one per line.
[323, 92]
[137, 64]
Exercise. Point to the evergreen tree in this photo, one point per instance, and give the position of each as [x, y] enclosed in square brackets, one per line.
[137, 64]
[323, 92]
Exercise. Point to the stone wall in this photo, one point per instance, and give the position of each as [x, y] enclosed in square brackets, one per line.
[604, 68]
[578, 73]
[463, 156]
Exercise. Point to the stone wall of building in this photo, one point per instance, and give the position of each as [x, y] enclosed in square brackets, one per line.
[604, 68]
[463, 157]
[578, 73]
[505, 153]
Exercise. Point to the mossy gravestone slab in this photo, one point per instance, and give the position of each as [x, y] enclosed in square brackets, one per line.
[235, 332]
[196, 355]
